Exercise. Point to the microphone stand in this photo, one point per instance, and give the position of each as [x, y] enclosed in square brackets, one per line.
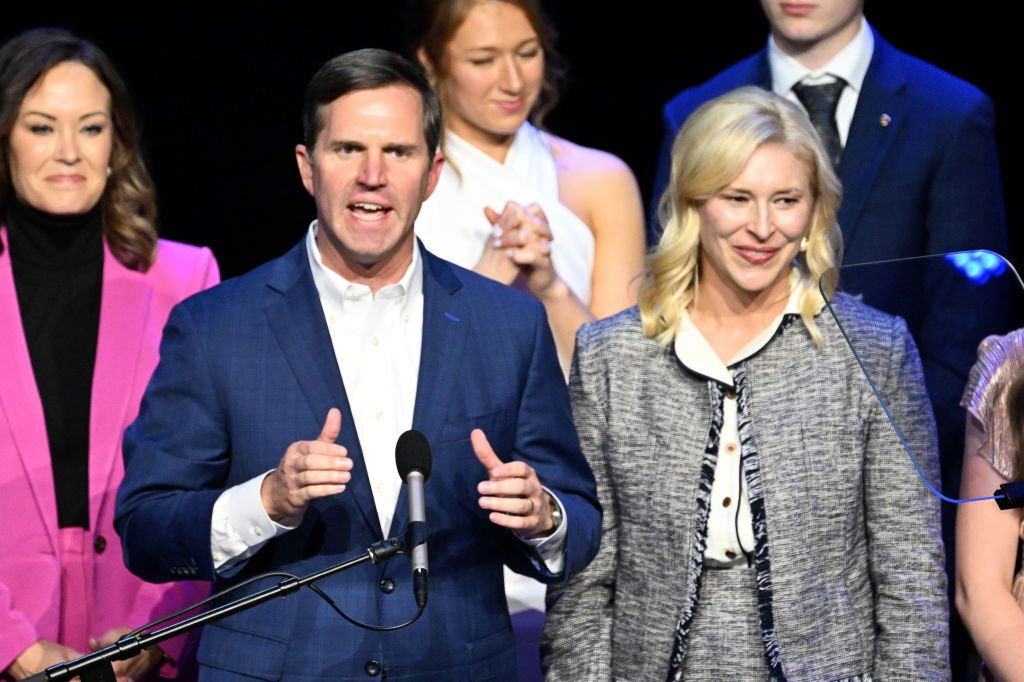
[97, 666]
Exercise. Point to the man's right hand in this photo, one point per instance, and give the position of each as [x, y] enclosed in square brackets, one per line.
[38, 657]
[308, 469]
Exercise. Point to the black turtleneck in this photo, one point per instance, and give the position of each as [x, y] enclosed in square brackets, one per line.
[58, 272]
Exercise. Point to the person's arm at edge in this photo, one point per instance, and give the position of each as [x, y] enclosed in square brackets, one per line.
[986, 548]
[546, 440]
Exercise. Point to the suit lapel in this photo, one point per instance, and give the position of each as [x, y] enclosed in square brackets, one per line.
[124, 309]
[762, 76]
[446, 320]
[20, 404]
[297, 322]
[880, 113]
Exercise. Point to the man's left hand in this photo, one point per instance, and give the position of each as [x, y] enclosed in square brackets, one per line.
[512, 493]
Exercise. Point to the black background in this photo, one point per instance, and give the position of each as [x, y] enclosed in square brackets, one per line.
[218, 90]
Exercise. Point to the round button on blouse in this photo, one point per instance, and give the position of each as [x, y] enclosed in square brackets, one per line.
[99, 544]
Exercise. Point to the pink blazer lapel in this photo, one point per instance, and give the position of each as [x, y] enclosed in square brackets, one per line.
[116, 387]
[20, 405]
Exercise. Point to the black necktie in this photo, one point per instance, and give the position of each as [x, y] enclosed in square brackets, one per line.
[820, 102]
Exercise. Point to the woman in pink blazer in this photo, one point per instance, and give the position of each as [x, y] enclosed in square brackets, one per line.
[85, 290]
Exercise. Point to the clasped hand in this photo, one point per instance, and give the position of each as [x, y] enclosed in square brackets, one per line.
[521, 247]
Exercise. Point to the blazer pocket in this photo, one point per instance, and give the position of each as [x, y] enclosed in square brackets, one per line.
[493, 656]
[498, 426]
[833, 452]
[242, 652]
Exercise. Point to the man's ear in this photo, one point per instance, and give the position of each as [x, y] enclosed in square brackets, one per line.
[305, 161]
[434, 174]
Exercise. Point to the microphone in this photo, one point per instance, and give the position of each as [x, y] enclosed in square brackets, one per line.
[413, 459]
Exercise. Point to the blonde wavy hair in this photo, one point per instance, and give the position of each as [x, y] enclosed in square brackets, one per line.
[711, 150]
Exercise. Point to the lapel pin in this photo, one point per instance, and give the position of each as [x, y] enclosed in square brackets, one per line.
[885, 120]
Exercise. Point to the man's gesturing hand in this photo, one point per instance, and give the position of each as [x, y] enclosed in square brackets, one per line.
[308, 469]
[512, 492]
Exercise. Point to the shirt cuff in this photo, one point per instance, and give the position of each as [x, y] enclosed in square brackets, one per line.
[240, 524]
[551, 549]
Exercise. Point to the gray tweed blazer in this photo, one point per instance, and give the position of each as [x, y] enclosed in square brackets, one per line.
[856, 559]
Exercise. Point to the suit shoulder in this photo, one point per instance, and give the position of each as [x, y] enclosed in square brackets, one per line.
[741, 73]
[242, 290]
[617, 331]
[182, 269]
[869, 330]
[494, 294]
[928, 85]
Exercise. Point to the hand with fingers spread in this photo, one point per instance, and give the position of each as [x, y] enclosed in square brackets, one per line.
[512, 493]
[525, 239]
[309, 469]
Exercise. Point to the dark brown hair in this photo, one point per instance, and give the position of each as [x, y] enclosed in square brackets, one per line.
[436, 22]
[129, 200]
[367, 69]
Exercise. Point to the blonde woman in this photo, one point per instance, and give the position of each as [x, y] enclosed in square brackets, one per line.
[760, 518]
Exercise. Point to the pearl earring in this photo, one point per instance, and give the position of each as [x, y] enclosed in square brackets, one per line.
[803, 244]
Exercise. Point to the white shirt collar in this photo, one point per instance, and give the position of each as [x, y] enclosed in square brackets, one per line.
[851, 64]
[335, 288]
[694, 351]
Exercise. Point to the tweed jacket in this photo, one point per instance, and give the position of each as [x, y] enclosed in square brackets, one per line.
[857, 587]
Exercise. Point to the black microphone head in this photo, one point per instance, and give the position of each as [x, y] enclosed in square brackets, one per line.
[412, 452]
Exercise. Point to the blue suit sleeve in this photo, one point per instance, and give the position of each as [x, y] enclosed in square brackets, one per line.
[547, 441]
[176, 463]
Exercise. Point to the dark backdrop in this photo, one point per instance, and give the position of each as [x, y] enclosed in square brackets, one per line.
[219, 91]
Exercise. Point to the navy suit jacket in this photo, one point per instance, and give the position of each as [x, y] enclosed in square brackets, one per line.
[248, 368]
[926, 183]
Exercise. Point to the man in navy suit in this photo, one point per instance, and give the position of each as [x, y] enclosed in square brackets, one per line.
[916, 153]
[358, 334]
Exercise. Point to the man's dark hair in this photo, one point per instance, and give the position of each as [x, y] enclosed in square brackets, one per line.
[367, 69]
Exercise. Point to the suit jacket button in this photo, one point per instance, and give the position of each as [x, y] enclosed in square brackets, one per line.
[99, 544]
[372, 668]
[387, 585]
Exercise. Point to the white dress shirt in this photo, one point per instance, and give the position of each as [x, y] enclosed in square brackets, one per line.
[730, 529]
[850, 64]
[376, 340]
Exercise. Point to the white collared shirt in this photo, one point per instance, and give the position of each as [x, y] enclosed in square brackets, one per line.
[850, 64]
[728, 491]
[377, 341]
